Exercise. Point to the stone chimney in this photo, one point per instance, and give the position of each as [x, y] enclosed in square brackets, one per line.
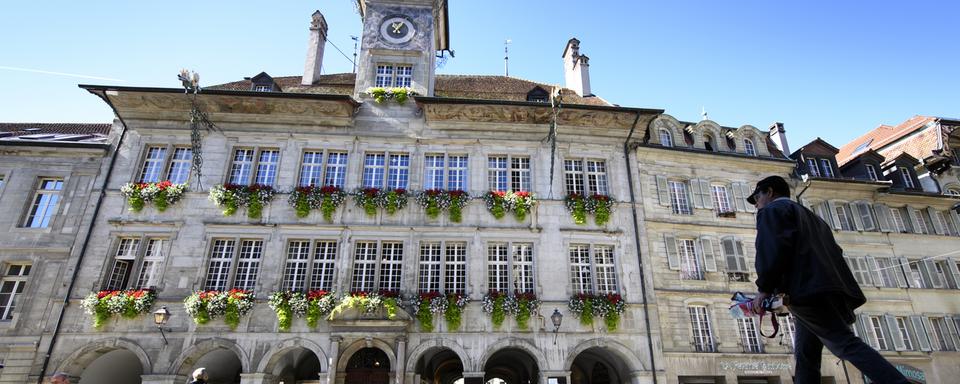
[779, 137]
[576, 68]
[318, 39]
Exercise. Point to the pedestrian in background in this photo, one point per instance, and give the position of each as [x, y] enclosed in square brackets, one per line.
[199, 376]
[59, 378]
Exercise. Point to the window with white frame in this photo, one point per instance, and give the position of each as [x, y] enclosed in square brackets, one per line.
[585, 176]
[592, 269]
[44, 203]
[749, 336]
[865, 211]
[394, 75]
[254, 166]
[872, 172]
[906, 177]
[679, 197]
[510, 267]
[386, 170]
[789, 330]
[323, 168]
[721, 200]
[666, 139]
[377, 266]
[508, 173]
[877, 328]
[749, 148]
[917, 279]
[310, 265]
[13, 283]
[942, 339]
[842, 210]
[262, 88]
[158, 159]
[827, 167]
[445, 172]
[701, 330]
[129, 253]
[233, 266]
[812, 168]
[691, 268]
[902, 328]
[923, 222]
[443, 267]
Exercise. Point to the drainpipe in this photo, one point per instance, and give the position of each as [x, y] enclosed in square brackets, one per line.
[86, 239]
[636, 239]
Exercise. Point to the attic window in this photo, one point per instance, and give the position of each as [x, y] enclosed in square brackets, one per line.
[262, 88]
[708, 142]
[862, 146]
[537, 95]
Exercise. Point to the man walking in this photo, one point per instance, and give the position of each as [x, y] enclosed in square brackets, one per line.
[798, 256]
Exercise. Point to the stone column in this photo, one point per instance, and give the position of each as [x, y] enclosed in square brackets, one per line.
[401, 359]
[162, 379]
[473, 377]
[332, 361]
[256, 378]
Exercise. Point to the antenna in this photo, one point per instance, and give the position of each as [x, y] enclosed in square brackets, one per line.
[506, 57]
[355, 40]
[703, 113]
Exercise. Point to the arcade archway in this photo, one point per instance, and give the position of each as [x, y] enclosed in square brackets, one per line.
[598, 366]
[439, 366]
[368, 366]
[511, 366]
[119, 366]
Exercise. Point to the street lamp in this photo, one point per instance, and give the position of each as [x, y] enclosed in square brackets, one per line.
[556, 318]
[160, 318]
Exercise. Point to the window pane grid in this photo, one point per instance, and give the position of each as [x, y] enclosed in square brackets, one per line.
[364, 267]
[455, 274]
[180, 165]
[324, 263]
[384, 75]
[12, 288]
[749, 336]
[248, 264]
[152, 264]
[391, 266]
[573, 176]
[430, 267]
[373, 170]
[721, 200]
[311, 169]
[497, 268]
[580, 276]
[267, 167]
[700, 323]
[336, 169]
[690, 268]
[295, 270]
[153, 164]
[497, 173]
[241, 167]
[597, 177]
[522, 268]
[404, 76]
[44, 203]
[678, 198]
[605, 269]
[399, 171]
[221, 260]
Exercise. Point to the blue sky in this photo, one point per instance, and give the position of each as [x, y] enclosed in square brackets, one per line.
[827, 69]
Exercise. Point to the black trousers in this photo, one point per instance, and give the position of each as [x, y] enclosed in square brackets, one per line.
[825, 322]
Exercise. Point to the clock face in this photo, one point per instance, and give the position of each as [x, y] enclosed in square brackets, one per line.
[397, 30]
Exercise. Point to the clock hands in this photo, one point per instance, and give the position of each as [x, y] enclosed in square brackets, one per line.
[396, 27]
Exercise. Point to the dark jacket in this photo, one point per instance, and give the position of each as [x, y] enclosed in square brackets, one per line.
[797, 255]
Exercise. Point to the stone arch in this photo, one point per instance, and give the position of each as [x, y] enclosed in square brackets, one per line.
[632, 361]
[668, 123]
[758, 137]
[704, 128]
[183, 363]
[272, 356]
[75, 363]
[347, 352]
[521, 344]
[426, 345]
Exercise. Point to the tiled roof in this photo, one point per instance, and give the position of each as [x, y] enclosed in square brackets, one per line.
[19, 129]
[483, 87]
[881, 136]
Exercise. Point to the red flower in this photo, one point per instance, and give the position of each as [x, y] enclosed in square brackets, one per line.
[456, 193]
[433, 192]
[306, 189]
[164, 184]
[400, 191]
[386, 293]
[601, 197]
[329, 189]
[499, 194]
[371, 192]
[316, 294]
[523, 194]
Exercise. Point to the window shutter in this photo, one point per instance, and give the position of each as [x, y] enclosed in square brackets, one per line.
[914, 219]
[920, 333]
[954, 271]
[855, 212]
[937, 226]
[897, 270]
[869, 335]
[953, 332]
[707, 191]
[867, 216]
[873, 270]
[663, 190]
[956, 218]
[673, 259]
[709, 260]
[832, 214]
[696, 192]
[883, 217]
[738, 197]
[898, 343]
[745, 191]
[931, 268]
[932, 334]
[741, 256]
[730, 255]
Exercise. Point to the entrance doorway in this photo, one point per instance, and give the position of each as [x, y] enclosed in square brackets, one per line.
[368, 366]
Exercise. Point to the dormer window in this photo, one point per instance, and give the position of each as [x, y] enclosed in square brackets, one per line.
[749, 148]
[708, 142]
[262, 88]
[907, 178]
[666, 139]
[263, 83]
[538, 95]
[827, 168]
[394, 75]
[688, 137]
[812, 169]
[872, 172]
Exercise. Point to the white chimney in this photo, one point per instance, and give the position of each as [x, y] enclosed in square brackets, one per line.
[318, 39]
[779, 137]
[576, 68]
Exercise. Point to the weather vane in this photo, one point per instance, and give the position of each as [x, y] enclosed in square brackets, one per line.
[191, 82]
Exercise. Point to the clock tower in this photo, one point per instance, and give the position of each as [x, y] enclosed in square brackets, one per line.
[400, 43]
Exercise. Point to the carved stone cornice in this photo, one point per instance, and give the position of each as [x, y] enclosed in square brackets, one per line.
[471, 111]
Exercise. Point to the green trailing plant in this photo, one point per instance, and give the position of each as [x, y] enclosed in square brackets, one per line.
[497, 304]
[393, 200]
[398, 94]
[368, 303]
[458, 200]
[527, 304]
[427, 304]
[581, 305]
[577, 206]
[496, 203]
[129, 304]
[609, 306]
[601, 206]
[454, 312]
[327, 199]
[203, 306]
[319, 304]
[368, 199]
[286, 305]
[161, 194]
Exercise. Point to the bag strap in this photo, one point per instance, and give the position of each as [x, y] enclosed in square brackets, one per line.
[776, 325]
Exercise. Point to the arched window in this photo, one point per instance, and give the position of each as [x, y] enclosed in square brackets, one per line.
[708, 142]
[666, 139]
[749, 148]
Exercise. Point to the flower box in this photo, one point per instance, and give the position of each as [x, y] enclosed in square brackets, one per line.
[327, 199]
[501, 202]
[609, 306]
[601, 206]
[521, 305]
[229, 197]
[203, 306]
[435, 201]
[368, 303]
[398, 94]
[129, 304]
[161, 194]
